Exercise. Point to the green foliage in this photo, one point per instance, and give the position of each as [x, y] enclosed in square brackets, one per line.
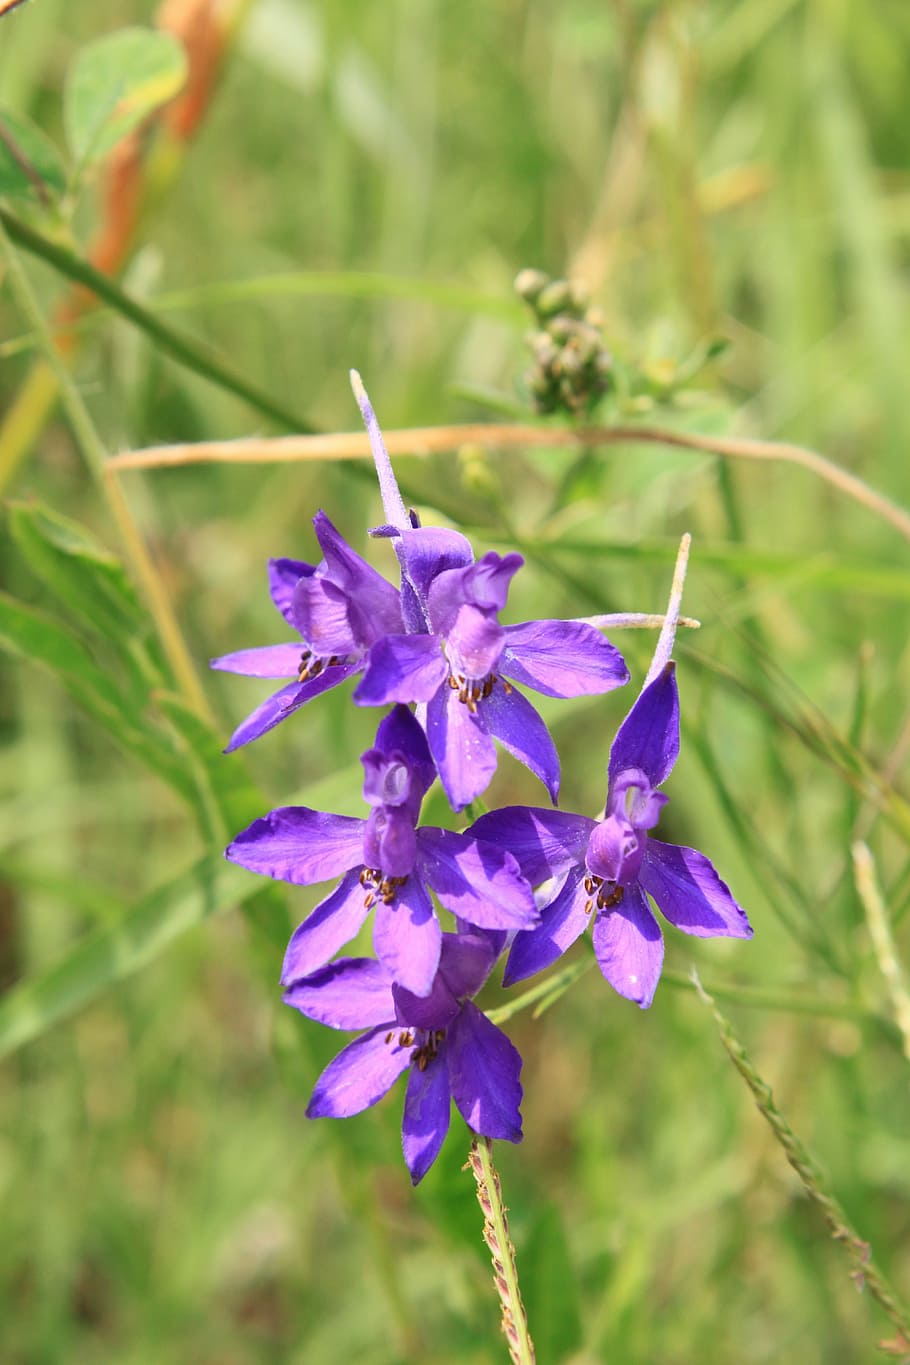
[24, 146]
[726, 182]
[114, 84]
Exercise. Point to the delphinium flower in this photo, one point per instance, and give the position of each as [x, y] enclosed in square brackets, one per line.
[339, 607]
[605, 870]
[460, 664]
[449, 1048]
[388, 865]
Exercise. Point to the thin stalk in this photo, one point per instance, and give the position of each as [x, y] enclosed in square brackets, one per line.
[496, 1236]
[501, 436]
[865, 1273]
[180, 347]
[93, 452]
[882, 939]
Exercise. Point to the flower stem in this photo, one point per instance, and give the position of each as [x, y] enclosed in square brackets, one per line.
[496, 1236]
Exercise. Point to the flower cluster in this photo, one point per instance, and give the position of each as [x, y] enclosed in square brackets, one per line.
[436, 643]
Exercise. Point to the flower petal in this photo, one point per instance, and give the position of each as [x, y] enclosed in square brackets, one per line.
[402, 668]
[561, 923]
[400, 732]
[359, 1076]
[544, 842]
[484, 1069]
[478, 882]
[520, 730]
[433, 1011]
[375, 601]
[629, 947]
[352, 993]
[286, 701]
[427, 1104]
[649, 736]
[407, 938]
[426, 552]
[322, 614]
[267, 661]
[284, 575]
[299, 845]
[562, 658]
[474, 643]
[484, 585]
[688, 891]
[464, 753]
[466, 961]
[332, 924]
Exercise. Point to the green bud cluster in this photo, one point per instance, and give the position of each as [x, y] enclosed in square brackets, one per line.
[571, 368]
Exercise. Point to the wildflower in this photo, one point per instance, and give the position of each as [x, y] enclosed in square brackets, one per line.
[608, 868]
[387, 864]
[461, 665]
[449, 1048]
[339, 607]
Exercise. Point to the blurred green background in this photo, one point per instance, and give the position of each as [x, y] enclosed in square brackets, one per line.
[735, 170]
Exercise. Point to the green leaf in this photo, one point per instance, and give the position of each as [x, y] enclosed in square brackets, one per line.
[114, 84]
[89, 580]
[32, 635]
[116, 951]
[24, 147]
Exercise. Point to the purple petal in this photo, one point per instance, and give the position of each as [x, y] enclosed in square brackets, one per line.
[352, 993]
[649, 736]
[359, 1076]
[544, 842]
[322, 614]
[520, 730]
[690, 894]
[333, 923]
[629, 947]
[474, 643]
[400, 732]
[433, 1011]
[268, 661]
[478, 882]
[562, 659]
[484, 585]
[285, 702]
[465, 754]
[402, 668]
[407, 938]
[299, 845]
[484, 1069]
[284, 575]
[375, 602]
[561, 923]
[427, 552]
[466, 961]
[427, 1103]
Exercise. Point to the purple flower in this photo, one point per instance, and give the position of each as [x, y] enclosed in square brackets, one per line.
[607, 869]
[456, 660]
[339, 607]
[463, 665]
[387, 863]
[449, 1048]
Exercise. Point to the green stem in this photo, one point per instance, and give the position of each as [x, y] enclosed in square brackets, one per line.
[864, 1271]
[496, 1236]
[176, 344]
[95, 456]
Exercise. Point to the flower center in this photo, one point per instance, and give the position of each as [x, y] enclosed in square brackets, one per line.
[608, 893]
[425, 1042]
[379, 887]
[311, 665]
[473, 690]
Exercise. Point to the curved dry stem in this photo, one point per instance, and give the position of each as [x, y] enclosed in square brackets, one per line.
[443, 439]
